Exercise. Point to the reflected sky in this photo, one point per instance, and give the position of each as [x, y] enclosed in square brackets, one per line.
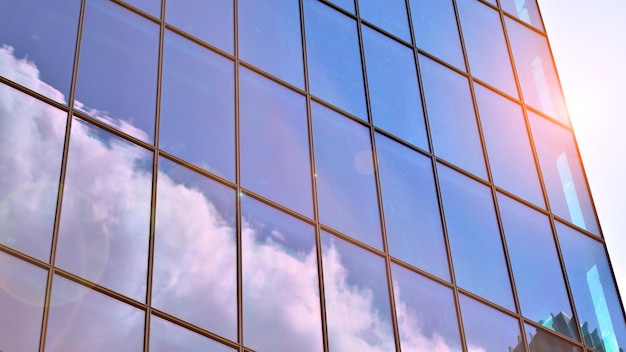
[209, 21]
[390, 15]
[487, 329]
[168, 337]
[525, 10]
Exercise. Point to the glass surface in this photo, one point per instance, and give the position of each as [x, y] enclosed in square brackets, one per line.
[270, 38]
[198, 106]
[453, 125]
[84, 320]
[474, 237]
[562, 173]
[486, 49]
[152, 7]
[117, 73]
[357, 300]
[543, 341]
[536, 267]
[412, 218]
[593, 289]
[536, 72]
[525, 10]
[508, 146]
[436, 30]
[274, 141]
[394, 91]
[210, 21]
[105, 218]
[195, 270]
[486, 329]
[281, 301]
[347, 5]
[346, 185]
[334, 59]
[390, 15]
[31, 147]
[22, 291]
[167, 337]
[426, 313]
[37, 41]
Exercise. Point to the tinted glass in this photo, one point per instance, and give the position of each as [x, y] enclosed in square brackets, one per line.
[394, 91]
[542, 341]
[390, 15]
[345, 176]
[198, 106]
[152, 7]
[167, 337]
[487, 329]
[195, 271]
[209, 21]
[345, 4]
[525, 10]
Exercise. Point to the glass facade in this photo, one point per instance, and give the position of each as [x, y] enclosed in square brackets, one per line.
[293, 175]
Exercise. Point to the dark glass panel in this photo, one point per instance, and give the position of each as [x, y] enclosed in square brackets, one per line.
[281, 301]
[117, 74]
[394, 90]
[345, 176]
[390, 15]
[525, 10]
[167, 337]
[195, 270]
[542, 341]
[31, 147]
[198, 106]
[152, 7]
[210, 21]
[412, 218]
[105, 219]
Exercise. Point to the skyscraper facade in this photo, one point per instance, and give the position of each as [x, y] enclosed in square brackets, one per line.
[292, 175]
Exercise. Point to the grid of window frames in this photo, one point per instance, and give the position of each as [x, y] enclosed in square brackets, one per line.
[262, 175]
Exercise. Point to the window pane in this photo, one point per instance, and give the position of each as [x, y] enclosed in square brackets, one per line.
[487, 329]
[210, 21]
[198, 106]
[345, 176]
[195, 271]
[152, 7]
[390, 15]
[347, 5]
[281, 301]
[525, 10]
[167, 337]
[542, 341]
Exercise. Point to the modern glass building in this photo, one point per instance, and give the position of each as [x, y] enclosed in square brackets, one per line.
[292, 175]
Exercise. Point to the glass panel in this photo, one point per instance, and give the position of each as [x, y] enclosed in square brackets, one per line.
[390, 15]
[535, 68]
[412, 218]
[348, 5]
[486, 49]
[37, 41]
[536, 267]
[275, 142]
[119, 51]
[475, 241]
[426, 313]
[198, 106]
[281, 301]
[334, 59]
[22, 290]
[540, 340]
[525, 10]
[270, 38]
[105, 219]
[210, 21]
[436, 30]
[152, 7]
[31, 147]
[357, 299]
[562, 173]
[195, 271]
[167, 337]
[345, 176]
[394, 90]
[593, 288]
[510, 155]
[85, 320]
[454, 129]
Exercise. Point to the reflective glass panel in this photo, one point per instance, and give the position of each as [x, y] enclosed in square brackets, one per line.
[270, 38]
[390, 15]
[562, 173]
[347, 5]
[209, 21]
[426, 314]
[195, 270]
[394, 91]
[345, 176]
[117, 73]
[334, 59]
[593, 289]
[105, 218]
[37, 41]
[22, 290]
[31, 147]
[152, 7]
[281, 301]
[474, 236]
[357, 299]
[436, 30]
[542, 341]
[525, 10]
[84, 320]
[452, 118]
[486, 49]
[198, 106]
[167, 337]
[412, 218]
[486, 329]
[508, 146]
